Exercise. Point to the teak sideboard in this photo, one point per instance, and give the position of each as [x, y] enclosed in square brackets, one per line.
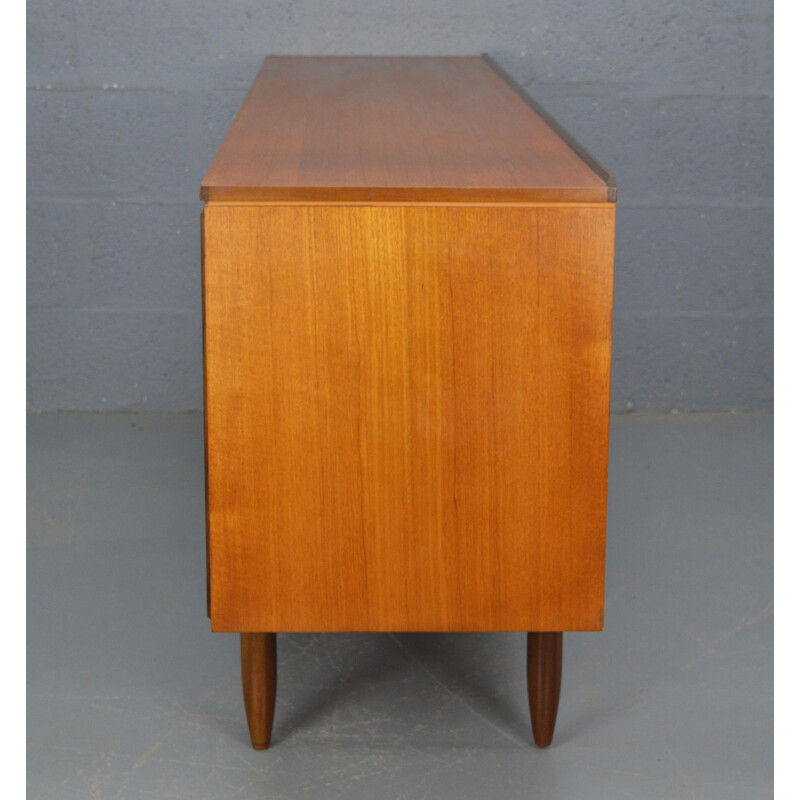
[407, 288]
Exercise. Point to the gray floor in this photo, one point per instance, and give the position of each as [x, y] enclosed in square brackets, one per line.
[131, 696]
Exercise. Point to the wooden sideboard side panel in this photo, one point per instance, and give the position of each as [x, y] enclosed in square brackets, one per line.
[407, 416]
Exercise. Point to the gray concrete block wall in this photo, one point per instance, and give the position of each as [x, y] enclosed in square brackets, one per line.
[127, 102]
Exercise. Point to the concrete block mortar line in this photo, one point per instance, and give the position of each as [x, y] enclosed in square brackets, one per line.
[112, 87]
[114, 200]
[724, 201]
[697, 314]
[633, 90]
[599, 90]
[123, 310]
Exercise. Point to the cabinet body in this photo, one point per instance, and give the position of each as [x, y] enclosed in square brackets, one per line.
[407, 286]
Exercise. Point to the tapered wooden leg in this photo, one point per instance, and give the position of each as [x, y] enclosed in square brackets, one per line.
[544, 683]
[259, 679]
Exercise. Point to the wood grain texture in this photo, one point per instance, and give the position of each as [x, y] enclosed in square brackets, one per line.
[394, 129]
[259, 684]
[407, 417]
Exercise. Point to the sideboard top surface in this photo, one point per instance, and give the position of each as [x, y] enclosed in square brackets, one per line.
[396, 129]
